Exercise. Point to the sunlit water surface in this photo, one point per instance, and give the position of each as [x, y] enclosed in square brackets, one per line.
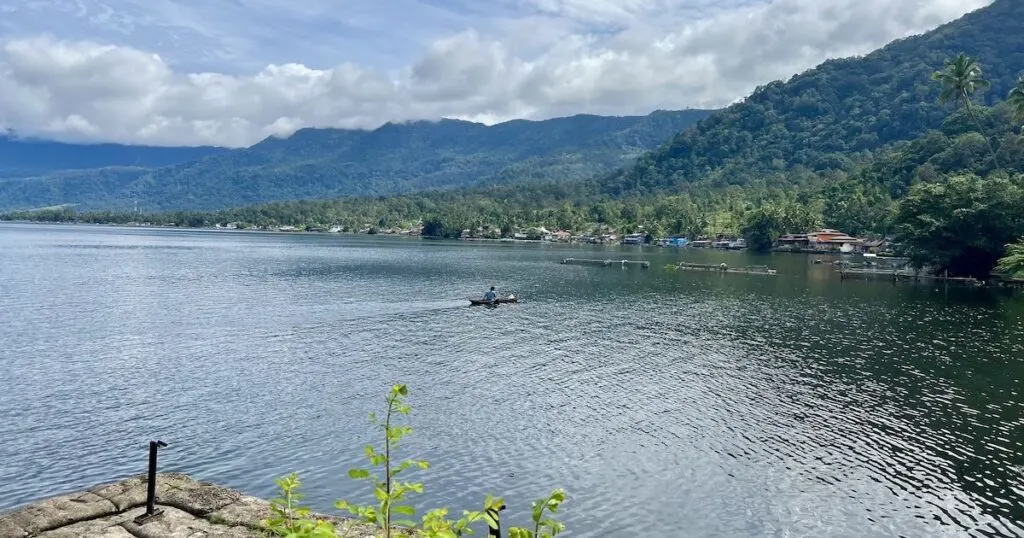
[667, 404]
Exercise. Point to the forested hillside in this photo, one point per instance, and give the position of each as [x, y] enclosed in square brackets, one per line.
[830, 117]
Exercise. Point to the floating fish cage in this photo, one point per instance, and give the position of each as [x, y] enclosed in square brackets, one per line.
[607, 263]
[723, 268]
[903, 275]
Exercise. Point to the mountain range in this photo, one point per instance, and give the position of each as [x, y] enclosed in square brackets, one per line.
[318, 163]
[21, 157]
[829, 122]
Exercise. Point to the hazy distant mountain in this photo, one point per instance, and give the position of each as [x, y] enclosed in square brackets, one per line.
[29, 157]
[318, 163]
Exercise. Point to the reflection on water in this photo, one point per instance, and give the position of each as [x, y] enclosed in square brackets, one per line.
[668, 404]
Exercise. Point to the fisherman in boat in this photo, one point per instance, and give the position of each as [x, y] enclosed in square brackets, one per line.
[490, 295]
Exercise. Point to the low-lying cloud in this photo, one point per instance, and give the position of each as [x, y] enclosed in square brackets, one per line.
[82, 90]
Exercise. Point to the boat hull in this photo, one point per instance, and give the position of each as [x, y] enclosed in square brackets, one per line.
[502, 300]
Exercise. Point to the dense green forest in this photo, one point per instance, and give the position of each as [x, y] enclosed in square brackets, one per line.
[395, 158]
[831, 117]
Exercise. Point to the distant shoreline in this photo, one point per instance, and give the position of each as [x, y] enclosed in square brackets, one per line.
[421, 237]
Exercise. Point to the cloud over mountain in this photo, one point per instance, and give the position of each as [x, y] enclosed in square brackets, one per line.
[121, 71]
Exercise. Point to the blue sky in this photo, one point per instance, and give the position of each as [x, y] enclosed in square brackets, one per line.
[231, 72]
[238, 36]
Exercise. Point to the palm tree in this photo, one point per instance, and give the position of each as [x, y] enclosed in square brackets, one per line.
[960, 79]
[1016, 98]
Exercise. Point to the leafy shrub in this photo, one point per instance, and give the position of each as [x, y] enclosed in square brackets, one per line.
[291, 520]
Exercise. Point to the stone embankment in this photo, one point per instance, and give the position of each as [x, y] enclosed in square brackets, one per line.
[191, 509]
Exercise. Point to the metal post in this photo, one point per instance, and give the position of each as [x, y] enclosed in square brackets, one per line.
[151, 510]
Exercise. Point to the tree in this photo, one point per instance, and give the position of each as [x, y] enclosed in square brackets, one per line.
[507, 228]
[960, 79]
[655, 230]
[960, 226]
[434, 227]
[1013, 263]
[1016, 98]
[856, 207]
[762, 227]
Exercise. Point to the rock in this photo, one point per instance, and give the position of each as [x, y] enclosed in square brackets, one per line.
[191, 510]
[107, 527]
[109, 532]
[173, 489]
[199, 499]
[175, 523]
[175, 481]
[61, 511]
[9, 530]
[348, 528]
[246, 511]
[252, 512]
[125, 494]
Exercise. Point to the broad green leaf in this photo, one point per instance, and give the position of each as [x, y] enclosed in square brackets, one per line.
[404, 510]
[358, 474]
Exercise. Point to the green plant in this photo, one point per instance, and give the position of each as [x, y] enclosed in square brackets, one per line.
[543, 527]
[289, 519]
[388, 491]
[437, 525]
[1013, 263]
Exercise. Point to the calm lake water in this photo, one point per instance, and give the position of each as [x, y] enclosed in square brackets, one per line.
[667, 404]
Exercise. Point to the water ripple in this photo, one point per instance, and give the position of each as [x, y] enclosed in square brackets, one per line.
[667, 404]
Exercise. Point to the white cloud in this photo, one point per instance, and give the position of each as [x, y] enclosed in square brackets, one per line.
[535, 59]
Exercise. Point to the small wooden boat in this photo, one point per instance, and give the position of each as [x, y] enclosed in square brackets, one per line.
[499, 300]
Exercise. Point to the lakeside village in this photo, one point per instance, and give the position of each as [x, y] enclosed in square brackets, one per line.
[872, 258]
[824, 240]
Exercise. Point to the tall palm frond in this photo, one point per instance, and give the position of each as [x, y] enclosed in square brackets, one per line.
[960, 79]
[1016, 98]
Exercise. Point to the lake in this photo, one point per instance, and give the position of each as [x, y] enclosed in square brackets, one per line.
[666, 404]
